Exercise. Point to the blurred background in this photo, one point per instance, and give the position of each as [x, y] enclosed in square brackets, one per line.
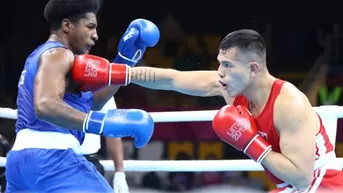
[303, 48]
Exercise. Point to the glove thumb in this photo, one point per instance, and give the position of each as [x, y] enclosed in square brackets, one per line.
[129, 37]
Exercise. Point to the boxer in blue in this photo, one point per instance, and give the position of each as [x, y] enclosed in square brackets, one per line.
[59, 92]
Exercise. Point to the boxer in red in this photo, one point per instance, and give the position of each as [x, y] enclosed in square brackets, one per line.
[268, 119]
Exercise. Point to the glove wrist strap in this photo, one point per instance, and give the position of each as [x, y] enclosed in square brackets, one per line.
[119, 74]
[135, 61]
[85, 123]
[257, 149]
[94, 123]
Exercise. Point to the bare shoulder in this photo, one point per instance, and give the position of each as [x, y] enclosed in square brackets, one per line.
[292, 108]
[50, 80]
[57, 56]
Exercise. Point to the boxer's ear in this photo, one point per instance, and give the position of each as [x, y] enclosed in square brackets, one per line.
[66, 25]
[254, 67]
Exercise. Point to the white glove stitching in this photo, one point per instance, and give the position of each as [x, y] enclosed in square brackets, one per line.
[126, 58]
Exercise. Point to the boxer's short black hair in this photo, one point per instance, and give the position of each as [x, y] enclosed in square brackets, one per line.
[57, 10]
[245, 40]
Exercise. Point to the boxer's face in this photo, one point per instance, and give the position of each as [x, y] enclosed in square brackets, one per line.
[82, 34]
[233, 72]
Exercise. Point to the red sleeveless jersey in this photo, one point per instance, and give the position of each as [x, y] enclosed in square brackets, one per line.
[327, 173]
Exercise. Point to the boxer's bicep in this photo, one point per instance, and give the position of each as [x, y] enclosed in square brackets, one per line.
[295, 121]
[196, 83]
[50, 80]
[49, 90]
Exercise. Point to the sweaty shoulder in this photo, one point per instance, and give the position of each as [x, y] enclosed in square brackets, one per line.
[291, 104]
[291, 95]
[57, 56]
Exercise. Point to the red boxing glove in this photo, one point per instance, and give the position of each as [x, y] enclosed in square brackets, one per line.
[237, 127]
[94, 73]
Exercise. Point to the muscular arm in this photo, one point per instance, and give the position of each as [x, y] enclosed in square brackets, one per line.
[100, 98]
[297, 124]
[195, 83]
[49, 89]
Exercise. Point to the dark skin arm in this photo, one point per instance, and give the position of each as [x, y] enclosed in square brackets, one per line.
[114, 145]
[115, 149]
[50, 87]
[100, 98]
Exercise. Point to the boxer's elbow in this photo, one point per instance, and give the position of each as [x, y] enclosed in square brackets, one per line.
[304, 175]
[97, 106]
[43, 108]
[302, 183]
[303, 179]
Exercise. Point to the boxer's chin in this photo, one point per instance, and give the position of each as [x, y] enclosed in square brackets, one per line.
[87, 50]
[232, 93]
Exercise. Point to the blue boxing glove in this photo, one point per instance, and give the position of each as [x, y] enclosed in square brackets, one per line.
[140, 34]
[121, 123]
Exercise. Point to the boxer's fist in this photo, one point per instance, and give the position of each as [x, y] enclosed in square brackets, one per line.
[94, 73]
[121, 123]
[140, 34]
[237, 127]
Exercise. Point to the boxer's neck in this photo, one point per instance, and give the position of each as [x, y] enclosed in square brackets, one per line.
[60, 38]
[258, 92]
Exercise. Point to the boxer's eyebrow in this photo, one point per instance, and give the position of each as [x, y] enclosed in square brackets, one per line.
[92, 24]
[225, 62]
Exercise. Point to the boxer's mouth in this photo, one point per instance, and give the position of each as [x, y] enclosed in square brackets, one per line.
[89, 47]
[223, 84]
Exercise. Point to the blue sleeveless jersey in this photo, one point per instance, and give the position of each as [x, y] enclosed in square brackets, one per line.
[26, 113]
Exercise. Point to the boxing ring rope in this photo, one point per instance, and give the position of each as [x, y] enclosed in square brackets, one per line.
[329, 114]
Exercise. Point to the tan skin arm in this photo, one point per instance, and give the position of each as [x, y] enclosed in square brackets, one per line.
[297, 124]
[195, 83]
[50, 87]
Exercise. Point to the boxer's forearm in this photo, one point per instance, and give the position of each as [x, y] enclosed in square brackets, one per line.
[285, 170]
[59, 113]
[154, 78]
[100, 98]
[195, 83]
[115, 149]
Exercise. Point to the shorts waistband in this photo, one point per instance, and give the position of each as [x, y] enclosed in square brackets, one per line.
[28, 138]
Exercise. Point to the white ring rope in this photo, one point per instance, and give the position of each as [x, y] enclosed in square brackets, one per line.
[329, 114]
